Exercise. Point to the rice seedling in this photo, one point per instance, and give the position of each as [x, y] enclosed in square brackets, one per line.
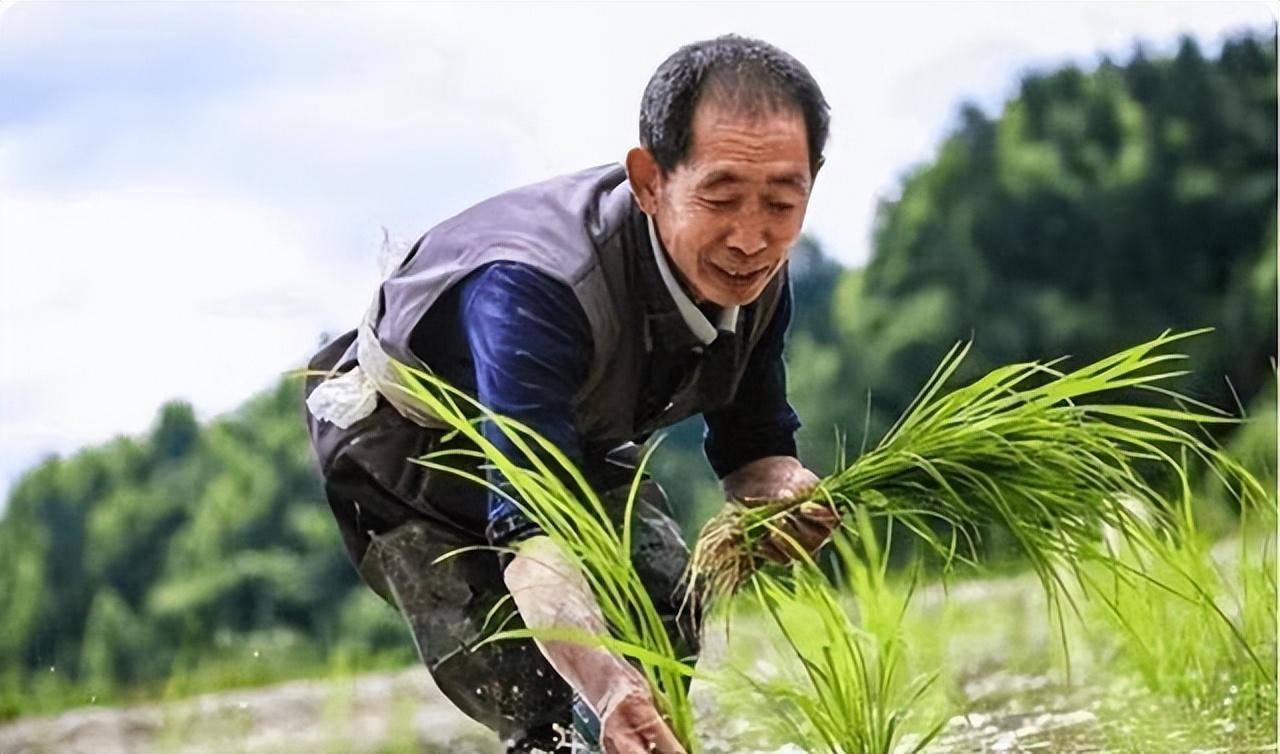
[554, 494]
[1182, 639]
[1195, 622]
[1191, 618]
[850, 694]
[1047, 455]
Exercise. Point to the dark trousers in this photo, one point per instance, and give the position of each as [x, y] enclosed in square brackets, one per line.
[397, 519]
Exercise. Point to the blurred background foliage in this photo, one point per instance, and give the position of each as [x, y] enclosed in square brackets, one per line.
[1096, 210]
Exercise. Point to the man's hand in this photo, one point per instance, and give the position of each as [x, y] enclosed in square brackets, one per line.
[770, 478]
[630, 723]
[778, 479]
[551, 594]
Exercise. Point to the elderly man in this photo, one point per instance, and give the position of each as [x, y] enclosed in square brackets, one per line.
[595, 307]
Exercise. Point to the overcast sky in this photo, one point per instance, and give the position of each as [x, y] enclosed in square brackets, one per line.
[190, 194]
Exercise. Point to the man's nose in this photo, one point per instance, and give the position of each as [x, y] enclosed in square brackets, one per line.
[748, 237]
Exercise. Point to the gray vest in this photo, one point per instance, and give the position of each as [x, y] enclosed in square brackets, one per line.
[585, 230]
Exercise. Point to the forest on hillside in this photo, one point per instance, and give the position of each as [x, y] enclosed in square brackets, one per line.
[1097, 209]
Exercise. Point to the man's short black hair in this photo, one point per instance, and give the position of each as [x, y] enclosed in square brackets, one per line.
[749, 75]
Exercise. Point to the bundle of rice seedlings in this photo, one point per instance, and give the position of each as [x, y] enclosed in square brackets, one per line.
[1035, 450]
[554, 494]
[851, 695]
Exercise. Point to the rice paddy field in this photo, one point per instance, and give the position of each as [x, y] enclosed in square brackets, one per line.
[1003, 678]
[1001, 687]
[1131, 608]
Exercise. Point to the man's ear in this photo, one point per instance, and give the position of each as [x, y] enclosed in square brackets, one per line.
[642, 171]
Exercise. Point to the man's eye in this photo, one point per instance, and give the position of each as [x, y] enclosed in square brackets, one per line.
[781, 206]
[721, 203]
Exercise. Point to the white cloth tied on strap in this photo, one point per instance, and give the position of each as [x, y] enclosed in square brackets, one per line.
[347, 398]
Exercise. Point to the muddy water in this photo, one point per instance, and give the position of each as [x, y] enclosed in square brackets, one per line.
[403, 712]
[394, 713]
[384, 713]
[379, 713]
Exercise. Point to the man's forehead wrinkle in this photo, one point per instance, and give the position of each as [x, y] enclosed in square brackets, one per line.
[713, 138]
[731, 156]
[719, 177]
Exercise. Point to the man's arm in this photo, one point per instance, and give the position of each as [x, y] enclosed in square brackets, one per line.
[551, 593]
[759, 423]
[751, 442]
[530, 343]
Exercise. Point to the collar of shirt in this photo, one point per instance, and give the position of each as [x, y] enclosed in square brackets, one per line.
[697, 322]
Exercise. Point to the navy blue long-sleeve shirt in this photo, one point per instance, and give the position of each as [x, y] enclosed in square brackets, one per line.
[519, 341]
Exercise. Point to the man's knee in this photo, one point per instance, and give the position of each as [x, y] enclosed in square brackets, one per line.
[452, 602]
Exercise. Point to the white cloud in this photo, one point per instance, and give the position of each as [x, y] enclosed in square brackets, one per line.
[188, 230]
[112, 303]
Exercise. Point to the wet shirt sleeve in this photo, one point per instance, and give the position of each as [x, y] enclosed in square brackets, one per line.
[530, 344]
[759, 422]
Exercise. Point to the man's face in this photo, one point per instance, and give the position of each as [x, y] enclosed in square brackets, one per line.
[729, 214]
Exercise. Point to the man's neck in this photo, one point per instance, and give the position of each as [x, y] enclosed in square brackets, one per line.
[699, 317]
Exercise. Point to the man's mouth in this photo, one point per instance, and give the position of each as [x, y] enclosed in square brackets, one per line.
[743, 276]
